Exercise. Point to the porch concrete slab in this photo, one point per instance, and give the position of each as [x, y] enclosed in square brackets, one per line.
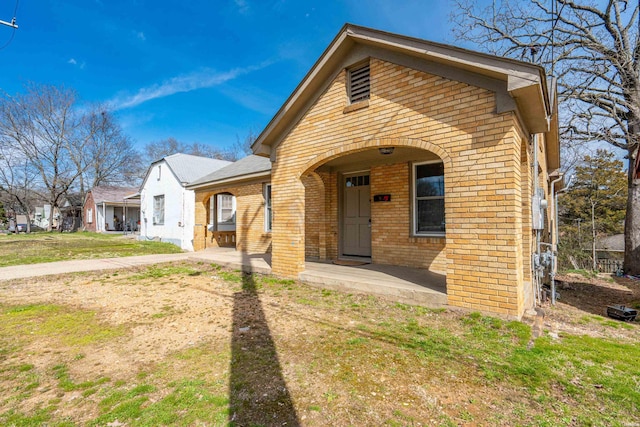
[401, 284]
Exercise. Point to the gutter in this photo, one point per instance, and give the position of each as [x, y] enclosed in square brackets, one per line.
[230, 180]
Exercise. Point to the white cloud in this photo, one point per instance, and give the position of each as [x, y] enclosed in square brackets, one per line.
[253, 98]
[242, 5]
[185, 83]
[75, 62]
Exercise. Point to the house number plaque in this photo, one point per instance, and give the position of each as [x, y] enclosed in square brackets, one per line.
[382, 198]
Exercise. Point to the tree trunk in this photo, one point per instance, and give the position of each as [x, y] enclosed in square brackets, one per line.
[50, 222]
[593, 237]
[632, 221]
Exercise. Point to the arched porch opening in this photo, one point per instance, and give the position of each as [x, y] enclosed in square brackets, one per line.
[359, 206]
[221, 220]
[381, 205]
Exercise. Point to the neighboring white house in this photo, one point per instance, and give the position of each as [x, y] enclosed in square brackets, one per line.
[166, 206]
[41, 215]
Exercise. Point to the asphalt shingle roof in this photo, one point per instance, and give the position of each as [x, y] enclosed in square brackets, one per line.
[188, 168]
[245, 166]
[611, 243]
[113, 194]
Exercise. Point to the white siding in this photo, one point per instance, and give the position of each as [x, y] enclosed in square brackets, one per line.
[179, 206]
[109, 219]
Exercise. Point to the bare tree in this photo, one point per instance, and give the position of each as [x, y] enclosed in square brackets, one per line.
[204, 150]
[42, 125]
[69, 149]
[595, 54]
[157, 150]
[241, 148]
[16, 181]
[109, 153]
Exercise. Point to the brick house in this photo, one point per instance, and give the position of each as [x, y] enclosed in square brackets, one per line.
[385, 138]
[107, 208]
[230, 206]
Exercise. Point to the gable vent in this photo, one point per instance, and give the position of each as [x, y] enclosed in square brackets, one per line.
[359, 89]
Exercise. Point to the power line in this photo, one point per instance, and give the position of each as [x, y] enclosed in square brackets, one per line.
[13, 33]
[11, 24]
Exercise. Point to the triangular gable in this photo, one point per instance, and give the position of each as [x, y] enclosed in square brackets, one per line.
[205, 164]
[518, 85]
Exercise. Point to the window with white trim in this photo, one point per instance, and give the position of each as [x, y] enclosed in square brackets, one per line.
[359, 87]
[226, 212]
[268, 213]
[428, 199]
[212, 213]
[158, 210]
[222, 212]
[89, 218]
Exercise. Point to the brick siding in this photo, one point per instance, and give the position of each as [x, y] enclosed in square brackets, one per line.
[251, 236]
[484, 254]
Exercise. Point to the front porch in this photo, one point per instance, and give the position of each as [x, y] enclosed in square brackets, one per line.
[402, 284]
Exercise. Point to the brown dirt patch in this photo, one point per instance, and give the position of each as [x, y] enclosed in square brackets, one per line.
[311, 352]
[582, 299]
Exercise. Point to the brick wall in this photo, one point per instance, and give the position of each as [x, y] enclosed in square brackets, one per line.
[314, 214]
[251, 236]
[89, 205]
[392, 242]
[484, 252]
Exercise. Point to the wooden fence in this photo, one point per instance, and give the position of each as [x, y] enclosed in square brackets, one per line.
[609, 265]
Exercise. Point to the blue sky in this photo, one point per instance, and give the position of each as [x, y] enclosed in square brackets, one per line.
[198, 71]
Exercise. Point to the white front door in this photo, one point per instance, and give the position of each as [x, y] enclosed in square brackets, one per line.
[356, 216]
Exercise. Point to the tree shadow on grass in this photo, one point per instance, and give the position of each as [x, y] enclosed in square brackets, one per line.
[258, 392]
[593, 296]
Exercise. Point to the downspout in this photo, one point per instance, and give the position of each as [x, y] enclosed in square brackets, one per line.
[104, 217]
[536, 186]
[554, 247]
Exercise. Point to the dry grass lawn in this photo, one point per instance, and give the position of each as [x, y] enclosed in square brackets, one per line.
[193, 344]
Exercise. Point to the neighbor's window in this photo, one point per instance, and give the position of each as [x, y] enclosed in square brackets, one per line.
[159, 172]
[359, 87]
[268, 213]
[89, 216]
[428, 192]
[158, 210]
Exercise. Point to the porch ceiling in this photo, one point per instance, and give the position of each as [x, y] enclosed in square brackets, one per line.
[366, 159]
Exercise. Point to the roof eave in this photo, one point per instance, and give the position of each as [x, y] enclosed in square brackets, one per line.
[132, 196]
[113, 203]
[231, 180]
[532, 106]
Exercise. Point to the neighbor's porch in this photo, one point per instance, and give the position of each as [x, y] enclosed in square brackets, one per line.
[402, 284]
